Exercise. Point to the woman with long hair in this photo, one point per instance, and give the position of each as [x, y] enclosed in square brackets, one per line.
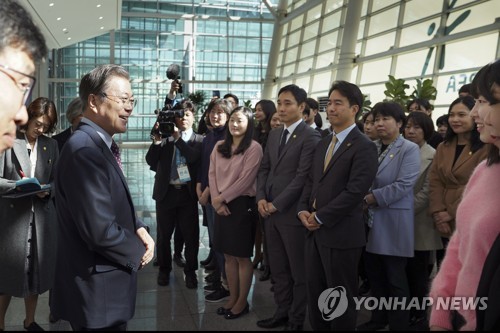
[234, 164]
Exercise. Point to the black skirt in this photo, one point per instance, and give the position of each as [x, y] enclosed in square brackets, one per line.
[235, 234]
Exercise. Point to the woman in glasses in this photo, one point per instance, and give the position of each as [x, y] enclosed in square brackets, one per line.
[28, 224]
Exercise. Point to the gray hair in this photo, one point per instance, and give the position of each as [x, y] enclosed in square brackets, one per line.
[75, 109]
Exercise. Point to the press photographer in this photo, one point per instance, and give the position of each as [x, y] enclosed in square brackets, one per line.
[175, 159]
[165, 122]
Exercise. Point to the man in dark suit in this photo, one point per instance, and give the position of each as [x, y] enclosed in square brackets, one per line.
[102, 243]
[281, 178]
[344, 166]
[175, 159]
[74, 114]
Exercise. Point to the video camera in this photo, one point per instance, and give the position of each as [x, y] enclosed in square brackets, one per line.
[166, 120]
[173, 74]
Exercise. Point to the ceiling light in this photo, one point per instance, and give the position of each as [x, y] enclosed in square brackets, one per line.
[99, 5]
[187, 16]
[64, 29]
[69, 38]
[102, 28]
[234, 18]
[205, 16]
[51, 4]
[100, 17]
[59, 18]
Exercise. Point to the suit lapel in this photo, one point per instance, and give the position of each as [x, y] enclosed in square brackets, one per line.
[296, 135]
[389, 157]
[346, 144]
[463, 158]
[21, 152]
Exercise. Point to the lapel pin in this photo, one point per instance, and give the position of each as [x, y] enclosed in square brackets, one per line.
[349, 144]
[44, 148]
[391, 156]
[470, 153]
[294, 136]
[50, 161]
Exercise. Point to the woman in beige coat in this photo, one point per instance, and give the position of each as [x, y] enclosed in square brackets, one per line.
[453, 164]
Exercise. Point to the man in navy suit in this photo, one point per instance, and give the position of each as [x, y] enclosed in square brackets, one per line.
[344, 166]
[102, 243]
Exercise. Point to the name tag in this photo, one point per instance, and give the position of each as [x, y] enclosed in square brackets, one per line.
[183, 172]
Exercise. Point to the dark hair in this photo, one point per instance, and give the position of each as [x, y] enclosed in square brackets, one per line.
[225, 147]
[365, 116]
[390, 109]
[349, 91]
[442, 120]
[421, 102]
[493, 155]
[312, 103]
[17, 30]
[236, 99]
[298, 93]
[74, 109]
[268, 108]
[185, 104]
[307, 110]
[423, 121]
[483, 82]
[96, 81]
[42, 106]
[466, 88]
[474, 140]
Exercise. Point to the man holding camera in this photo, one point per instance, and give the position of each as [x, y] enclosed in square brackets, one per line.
[175, 156]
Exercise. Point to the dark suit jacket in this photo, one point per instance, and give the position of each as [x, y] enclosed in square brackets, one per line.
[62, 137]
[99, 251]
[340, 189]
[159, 158]
[281, 178]
[489, 319]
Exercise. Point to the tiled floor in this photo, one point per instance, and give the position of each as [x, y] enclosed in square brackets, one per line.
[174, 307]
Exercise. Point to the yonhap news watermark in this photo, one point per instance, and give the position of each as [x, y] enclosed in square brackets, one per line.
[333, 302]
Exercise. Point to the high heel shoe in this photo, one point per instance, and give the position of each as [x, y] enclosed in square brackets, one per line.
[231, 315]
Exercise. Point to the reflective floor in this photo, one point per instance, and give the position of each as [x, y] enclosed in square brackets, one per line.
[173, 307]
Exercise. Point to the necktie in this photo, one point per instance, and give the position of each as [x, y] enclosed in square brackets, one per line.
[329, 153]
[116, 153]
[175, 161]
[283, 141]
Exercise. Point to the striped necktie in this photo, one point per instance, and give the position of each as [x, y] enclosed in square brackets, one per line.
[116, 153]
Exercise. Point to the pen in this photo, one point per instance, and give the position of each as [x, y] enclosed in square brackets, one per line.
[21, 172]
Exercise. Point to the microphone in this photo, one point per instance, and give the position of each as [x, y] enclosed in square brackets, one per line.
[173, 74]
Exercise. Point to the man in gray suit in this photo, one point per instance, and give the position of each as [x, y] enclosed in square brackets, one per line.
[344, 166]
[281, 178]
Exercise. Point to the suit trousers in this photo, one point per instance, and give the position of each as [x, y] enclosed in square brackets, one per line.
[387, 276]
[180, 209]
[118, 327]
[329, 268]
[285, 245]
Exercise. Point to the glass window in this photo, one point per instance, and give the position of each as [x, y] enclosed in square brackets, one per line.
[375, 93]
[325, 59]
[380, 44]
[379, 4]
[314, 14]
[333, 5]
[419, 32]
[321, 81]
[412, 64]
[331, 22]
[294, 38]
[305, 65]
[311, 31]
[361, 29]
[297, 23]
[415, 11]
[328, 42]
[383, 21]
[291, 55]
[308, 49]
[480, 15]
[464, 54]
[448, 86]
[303, 82]
[375, 71]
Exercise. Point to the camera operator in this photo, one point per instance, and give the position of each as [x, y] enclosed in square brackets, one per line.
[176, 158]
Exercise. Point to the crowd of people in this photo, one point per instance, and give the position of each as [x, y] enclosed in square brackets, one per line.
[389, 201]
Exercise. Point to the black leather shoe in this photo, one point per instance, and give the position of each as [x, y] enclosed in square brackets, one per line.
[272, 322]
[231, 315]
[213, 277]
[163, 278]
[33, 327]
[207, 259]
[53, 319]
[191, 281]
[222, 311]
[266, 275]
[179, 260]
[212, 265]
[293, 327]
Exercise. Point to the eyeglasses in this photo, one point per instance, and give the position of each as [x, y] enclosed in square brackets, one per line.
[25, 87]
[124, 101]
